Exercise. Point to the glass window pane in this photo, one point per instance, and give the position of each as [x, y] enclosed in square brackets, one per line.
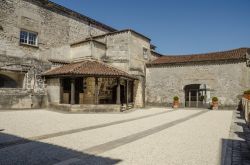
[28, 38]
[23, 37]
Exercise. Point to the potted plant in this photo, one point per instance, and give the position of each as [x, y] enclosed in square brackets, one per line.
[176, 102]
[215, 104]
[247, 94]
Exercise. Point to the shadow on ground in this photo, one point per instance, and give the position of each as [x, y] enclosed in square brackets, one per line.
[38, 153]
[237, 152]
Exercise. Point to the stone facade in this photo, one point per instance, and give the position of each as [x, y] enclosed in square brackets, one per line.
[56, 28]
[227, 81]
[123, 49]
[65, 36]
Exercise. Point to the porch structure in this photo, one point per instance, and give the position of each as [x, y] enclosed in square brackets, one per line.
[92, 85]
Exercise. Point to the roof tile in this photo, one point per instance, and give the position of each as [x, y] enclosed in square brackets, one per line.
[234, 54]
[87, 67]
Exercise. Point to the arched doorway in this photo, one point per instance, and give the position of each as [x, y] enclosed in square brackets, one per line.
[7, 82]
[196, 95]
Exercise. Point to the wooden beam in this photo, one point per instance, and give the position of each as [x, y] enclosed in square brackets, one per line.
[61, 91]
[189, 98]
[96, 90]
[118, 92]
[72, 100]
[127, 91]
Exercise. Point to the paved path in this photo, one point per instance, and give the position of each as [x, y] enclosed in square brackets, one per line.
[238, 144]
[153, 136]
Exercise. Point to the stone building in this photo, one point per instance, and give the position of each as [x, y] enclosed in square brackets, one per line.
[195, 79]
[38, 35]
[51, 56]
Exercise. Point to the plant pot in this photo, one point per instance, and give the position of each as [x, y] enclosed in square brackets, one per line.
[176, 104]
[247, 96]
[215, 105]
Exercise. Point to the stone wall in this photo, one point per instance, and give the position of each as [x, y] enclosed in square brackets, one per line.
[56, 27]
[226, 80]
[117, 53]
[137, 61]
[53, 90]
[17, 98]
[54, 30]
[96, 50]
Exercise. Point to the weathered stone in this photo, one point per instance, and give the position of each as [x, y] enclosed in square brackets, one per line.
[226, 81]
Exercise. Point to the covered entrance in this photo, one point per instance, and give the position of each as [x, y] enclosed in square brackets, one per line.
[196, 95]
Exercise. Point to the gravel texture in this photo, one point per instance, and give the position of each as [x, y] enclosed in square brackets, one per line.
[178, 137]
[34, 123]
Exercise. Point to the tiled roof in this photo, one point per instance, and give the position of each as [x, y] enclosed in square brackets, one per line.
[235, 54]
[87, 68]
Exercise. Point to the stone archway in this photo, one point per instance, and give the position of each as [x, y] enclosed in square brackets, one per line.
[196, 95]
[7, 82]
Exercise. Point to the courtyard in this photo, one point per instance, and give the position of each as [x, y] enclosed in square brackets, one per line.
[144, 136]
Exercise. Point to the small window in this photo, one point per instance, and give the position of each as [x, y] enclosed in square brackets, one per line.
[145, 53]
[28, 38]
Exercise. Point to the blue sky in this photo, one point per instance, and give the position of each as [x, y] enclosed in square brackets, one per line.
[175, 26]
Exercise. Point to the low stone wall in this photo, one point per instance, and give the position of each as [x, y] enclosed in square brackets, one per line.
[246, 109]
[21, 99]
[86, 107]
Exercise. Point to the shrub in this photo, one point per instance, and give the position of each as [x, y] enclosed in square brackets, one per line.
[247, 92]
[215, 99]
[176, 98]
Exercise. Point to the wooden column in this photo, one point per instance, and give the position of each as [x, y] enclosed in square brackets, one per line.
[72, 100]
[127, 91]
[132, 91]
[96, 90]
[118, 92]
[61, 91]
[189, 98]
[197, 98]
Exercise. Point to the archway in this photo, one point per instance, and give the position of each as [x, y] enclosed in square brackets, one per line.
[196, 95]
[7, 82]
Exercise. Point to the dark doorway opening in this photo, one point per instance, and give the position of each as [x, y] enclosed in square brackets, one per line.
[122, 94]
[7, 82]
[195, 95]
[66, 90]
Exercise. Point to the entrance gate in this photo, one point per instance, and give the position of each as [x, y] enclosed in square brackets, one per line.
[196, 95]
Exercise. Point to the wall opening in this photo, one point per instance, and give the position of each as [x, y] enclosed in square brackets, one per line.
[196, 95]
[7, 82]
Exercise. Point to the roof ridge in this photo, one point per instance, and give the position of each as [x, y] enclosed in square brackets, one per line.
[214, 52]
[48, 4]
[234, 54]
[77, 65]
[111, 67]
[98, 61]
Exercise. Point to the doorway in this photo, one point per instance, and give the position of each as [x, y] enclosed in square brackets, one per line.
[66, 90]
[195, 95]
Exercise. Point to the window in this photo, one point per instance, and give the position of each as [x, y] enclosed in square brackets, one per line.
[29, 38]
[145, 53]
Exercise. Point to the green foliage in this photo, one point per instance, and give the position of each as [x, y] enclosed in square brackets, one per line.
[215, 99]
[176, 98]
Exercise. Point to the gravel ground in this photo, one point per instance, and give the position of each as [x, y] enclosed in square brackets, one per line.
[196, 141]
[184, 137]
[40, 122]
[103, 135]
